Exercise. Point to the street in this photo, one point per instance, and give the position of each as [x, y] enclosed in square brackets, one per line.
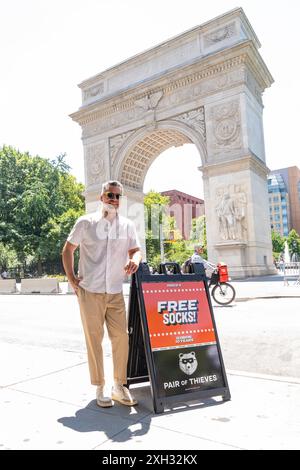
[47, 401]
[257, 336]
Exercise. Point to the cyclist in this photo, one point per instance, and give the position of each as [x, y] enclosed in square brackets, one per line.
[197, 258]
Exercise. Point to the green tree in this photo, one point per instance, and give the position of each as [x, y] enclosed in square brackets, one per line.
[277, 243]
[293, 240]
[8, 257]
[155, 206]
[176, 248]
[35, 193]
[198, 233]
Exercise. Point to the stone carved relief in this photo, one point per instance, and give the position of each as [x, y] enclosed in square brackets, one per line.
[94, 91]
[150, 101]
[96, 168]
[174, 94]
[227, 125]
[146, 105]
[220, 35]
[99, 126]
[231, 209]
[194, 119]
[115, 144]
[149, 104]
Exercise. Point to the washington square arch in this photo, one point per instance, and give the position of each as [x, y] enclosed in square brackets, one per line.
[202, 87]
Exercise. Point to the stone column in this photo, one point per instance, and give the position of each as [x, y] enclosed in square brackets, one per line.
[235, 189]
[132, 207]
[96, 169]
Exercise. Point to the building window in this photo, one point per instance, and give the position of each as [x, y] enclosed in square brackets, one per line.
[277, 217]
[276, 208]
[276, 198]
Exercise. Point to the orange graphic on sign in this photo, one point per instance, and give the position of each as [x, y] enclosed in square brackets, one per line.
[178, 314]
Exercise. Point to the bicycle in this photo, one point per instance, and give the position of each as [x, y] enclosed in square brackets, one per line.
[223, 292]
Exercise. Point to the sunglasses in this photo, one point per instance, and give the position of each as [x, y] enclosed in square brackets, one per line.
[112, 195]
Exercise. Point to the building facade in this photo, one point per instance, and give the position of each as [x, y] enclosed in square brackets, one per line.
[184, 208]
[284, 199]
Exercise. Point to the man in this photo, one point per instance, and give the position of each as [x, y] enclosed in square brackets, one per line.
[197, 255]
[197, 258]
[109, 248]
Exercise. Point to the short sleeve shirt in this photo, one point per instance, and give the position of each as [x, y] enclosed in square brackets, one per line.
[198, 259]
[104, 250]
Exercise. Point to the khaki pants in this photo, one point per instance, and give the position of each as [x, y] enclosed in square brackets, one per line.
[95, 309]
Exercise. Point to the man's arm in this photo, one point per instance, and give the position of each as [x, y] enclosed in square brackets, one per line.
[135, 257]
[68, 262]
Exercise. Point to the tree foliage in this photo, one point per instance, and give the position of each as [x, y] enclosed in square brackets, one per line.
[155, 206]
[176, 249]
[198, 233]
[277, 242]
[39, 201]
[293, 240]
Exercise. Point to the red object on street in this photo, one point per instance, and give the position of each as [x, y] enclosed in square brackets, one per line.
[223, 272]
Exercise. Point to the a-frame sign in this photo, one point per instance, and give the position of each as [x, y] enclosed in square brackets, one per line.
[173, 341]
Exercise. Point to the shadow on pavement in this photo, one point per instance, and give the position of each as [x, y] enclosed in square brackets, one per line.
[115, 427]
[224, 306]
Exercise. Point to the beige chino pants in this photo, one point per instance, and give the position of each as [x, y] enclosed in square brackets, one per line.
[95, 310]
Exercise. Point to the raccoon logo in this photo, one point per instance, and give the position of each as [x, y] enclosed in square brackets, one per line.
[188, 362]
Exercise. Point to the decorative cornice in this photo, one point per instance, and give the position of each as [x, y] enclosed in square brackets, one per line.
[241, 54]
[209, 28]
[241, 163]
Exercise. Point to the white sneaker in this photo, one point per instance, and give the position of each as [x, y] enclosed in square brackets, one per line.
[122, 395]
[104, 402]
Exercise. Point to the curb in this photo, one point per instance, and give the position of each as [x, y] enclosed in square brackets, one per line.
[246, 299]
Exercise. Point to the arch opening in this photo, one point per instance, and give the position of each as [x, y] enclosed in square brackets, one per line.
[139, 158]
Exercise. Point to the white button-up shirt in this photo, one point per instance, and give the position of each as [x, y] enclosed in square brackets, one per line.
[104, 247]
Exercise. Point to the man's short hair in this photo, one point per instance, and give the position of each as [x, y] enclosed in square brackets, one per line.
[197, 246]
[107, 184]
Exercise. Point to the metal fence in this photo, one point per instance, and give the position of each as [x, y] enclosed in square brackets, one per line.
[35, 270]
[291, 272]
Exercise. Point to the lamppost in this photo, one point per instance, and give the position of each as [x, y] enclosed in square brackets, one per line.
[161, 239]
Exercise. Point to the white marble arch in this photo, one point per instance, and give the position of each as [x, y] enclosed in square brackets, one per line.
[202, 87]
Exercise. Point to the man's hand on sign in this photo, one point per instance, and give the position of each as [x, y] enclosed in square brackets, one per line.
[131, 267]
[132, 264]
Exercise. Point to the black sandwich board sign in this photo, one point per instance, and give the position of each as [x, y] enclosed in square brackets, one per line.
[173, 341]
